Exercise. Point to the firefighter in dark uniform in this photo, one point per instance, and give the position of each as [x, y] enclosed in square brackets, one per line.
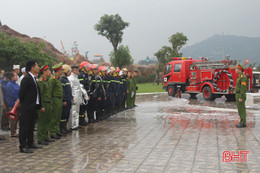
[100, 94]
[121, 90]
[109, 94]
[57, 95]
[84, 80]
[241, 88]
[67, 99]
[91, 93]
[117, 90]
[44, 118]
[114, 88]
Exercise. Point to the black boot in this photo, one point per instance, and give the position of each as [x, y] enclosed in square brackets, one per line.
[65, 127]
[62, 128]
[82, 121]
[98, 116]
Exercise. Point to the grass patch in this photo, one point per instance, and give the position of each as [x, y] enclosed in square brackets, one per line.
[149, 88]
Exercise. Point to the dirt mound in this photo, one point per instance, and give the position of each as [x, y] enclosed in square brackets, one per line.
[143, 70]
[49, 48]
[79, 58]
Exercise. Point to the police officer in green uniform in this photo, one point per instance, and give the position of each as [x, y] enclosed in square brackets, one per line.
[57, 96]
[44, 118]
[241, 88]
[129, 92]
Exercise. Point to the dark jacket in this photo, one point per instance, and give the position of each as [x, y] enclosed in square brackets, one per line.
[12, 91]
[4, 83]
[28, 94]
[67, 92]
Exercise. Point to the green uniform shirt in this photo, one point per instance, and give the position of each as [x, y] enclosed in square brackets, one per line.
[241, 86]
[134, 84]
[56, 86]
[130, 85]
[45, 89]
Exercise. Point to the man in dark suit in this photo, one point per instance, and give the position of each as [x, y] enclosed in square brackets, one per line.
[29, 96]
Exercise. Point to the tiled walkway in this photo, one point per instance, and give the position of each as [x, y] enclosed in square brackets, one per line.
[162, 134]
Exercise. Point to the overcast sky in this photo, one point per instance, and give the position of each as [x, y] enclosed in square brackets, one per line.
[152, 22]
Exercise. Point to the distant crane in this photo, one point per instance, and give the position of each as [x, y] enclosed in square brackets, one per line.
[64, 51]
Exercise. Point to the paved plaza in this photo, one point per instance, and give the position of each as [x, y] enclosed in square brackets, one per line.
[162, 134]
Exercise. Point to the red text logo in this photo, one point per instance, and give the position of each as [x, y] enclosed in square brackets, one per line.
[231, 156]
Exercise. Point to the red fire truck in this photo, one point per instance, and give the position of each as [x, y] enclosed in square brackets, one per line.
[211, 78]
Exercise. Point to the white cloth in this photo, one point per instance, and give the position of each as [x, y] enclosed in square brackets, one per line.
[34, 79]
[20, 80]
[74, 117]
[23, 70]
[16, 67]
[77, 100]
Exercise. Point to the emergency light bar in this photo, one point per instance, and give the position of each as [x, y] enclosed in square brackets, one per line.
[180, 58]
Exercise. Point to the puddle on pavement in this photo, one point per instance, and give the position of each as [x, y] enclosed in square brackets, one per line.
[197, 112]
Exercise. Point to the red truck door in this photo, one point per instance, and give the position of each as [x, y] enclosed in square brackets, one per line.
[176, 75]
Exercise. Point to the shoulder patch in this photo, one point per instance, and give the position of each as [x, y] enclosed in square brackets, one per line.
[53, 77]
[40, 80]
[243, 83]
[241, 75]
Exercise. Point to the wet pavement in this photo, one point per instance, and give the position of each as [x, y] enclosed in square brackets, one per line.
[162, 134]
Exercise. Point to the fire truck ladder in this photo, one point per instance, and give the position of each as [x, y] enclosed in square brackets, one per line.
[214, 64]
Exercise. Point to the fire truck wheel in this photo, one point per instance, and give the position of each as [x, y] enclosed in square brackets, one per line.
[207, 93]
[230, 97]
[171, 91]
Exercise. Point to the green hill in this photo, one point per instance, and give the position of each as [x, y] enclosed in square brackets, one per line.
[238, 47]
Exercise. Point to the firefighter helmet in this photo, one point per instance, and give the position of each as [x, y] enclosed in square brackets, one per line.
[83, 64]
[117, 69]
[124, 70]
[66, 68]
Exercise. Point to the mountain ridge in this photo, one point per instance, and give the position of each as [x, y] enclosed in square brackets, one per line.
[218, 46]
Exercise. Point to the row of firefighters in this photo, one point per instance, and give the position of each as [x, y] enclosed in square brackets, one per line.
[72, 93]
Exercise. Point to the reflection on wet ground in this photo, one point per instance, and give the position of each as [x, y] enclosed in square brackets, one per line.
[162, 134]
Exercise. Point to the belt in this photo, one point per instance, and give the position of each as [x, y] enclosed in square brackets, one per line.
[47, 101]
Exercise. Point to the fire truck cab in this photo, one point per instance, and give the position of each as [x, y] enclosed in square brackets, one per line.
[211, 78]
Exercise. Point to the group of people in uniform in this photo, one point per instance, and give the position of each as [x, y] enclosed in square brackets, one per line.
[78, 95]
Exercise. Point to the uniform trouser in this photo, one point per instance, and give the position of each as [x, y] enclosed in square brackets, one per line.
[74, 117]
[99, 108]
[44, 121]
[241, 107]
[123, 101]
[90, 109]
[108, 104]
[56, 116]
[128, 99]
[117, 101]
[26, 126]
[112, 103]
[66, 111]
[5, 120]
[120, 100]
[134, 98]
